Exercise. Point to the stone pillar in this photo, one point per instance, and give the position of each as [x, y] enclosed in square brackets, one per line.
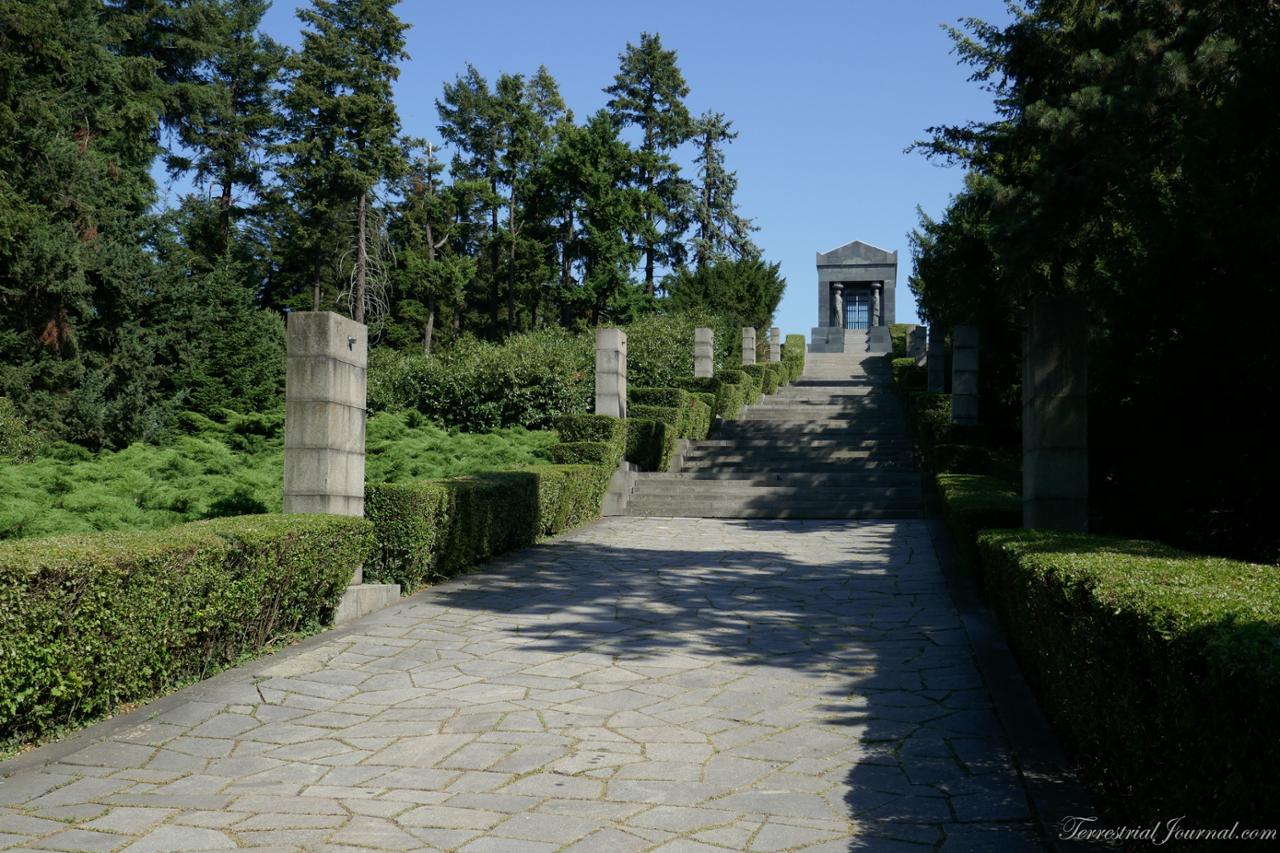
[748, 346]
[964, 376]
[704, 352]
[611, 372]
[1055, 422]
[775, 344]
[324, 414]
[936, 359]
[916, 343]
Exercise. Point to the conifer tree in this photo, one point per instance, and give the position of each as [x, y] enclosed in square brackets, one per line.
[722, 232]
[648, 93]
[344, 130]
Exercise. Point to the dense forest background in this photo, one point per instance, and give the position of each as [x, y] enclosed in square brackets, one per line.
[117, 316]
[1134, 164]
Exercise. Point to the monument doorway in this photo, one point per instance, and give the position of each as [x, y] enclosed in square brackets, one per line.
[857, 311]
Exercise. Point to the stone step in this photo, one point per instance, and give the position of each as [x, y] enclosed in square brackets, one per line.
[665, 508]
[723, 490]
[799, 479]
[801, 467]
[852, 443]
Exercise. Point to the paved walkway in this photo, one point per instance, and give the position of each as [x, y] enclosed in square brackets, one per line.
[641, 684]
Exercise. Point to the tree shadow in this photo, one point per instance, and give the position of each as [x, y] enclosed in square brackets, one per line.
[867, 624]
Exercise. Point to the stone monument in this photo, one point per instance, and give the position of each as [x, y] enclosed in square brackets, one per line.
[856, 299]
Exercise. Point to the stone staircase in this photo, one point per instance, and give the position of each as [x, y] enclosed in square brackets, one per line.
[833, 445]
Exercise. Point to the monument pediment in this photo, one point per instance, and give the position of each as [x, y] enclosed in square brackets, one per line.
[857, 252]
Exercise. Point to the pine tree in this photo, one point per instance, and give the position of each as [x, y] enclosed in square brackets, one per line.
[429, 272]
[231, 117]
[722, 232]
[648, 93]
[78, 122]
[343, 144]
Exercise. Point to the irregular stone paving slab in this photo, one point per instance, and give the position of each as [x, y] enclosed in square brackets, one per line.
[640, 684]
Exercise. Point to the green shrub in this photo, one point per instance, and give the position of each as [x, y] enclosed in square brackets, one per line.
[740, 380]
[660, 346]
[693, 415]
[433, 529]
[650, 443]
[526, 380]
[930, 416]
[18, 441]
[89, 622]
[708, 399]
[975, 502]
[909, 376]
[602, 428]
[667, 414]
[975, 459]
[229, 466]
[793, 349]
[584, 453]
[898, 338]
[763, 376]
[1161, 669]
[698, 419]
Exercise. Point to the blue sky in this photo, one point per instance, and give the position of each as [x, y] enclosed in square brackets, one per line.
[825, 97]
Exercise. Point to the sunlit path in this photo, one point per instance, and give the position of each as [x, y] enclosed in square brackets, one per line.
[641, 684]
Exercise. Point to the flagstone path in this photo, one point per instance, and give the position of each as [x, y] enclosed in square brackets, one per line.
[675, 685]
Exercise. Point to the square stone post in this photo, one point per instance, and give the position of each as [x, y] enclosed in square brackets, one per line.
[748, 346]
[1055, 415]
[964, 376]
[936, 360]
[775, 344]
[916, 344]
[703, 352]
[611, 372]
[324, 414]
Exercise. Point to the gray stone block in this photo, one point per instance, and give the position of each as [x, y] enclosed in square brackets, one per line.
[936, 361]
[324, 434]
[363, 598]
[703, 352]
[748, 346]
[775, 344]
[917, 343]
[611, 373]
[1055, 422]
[879, 340]
[964, 376]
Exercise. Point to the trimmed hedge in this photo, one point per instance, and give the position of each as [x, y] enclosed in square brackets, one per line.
[1160, 667]
[793, 349]
[898, 338]
[611, 431]
[682, 409]
[764, 376]
[434, 529]
[89, 622]
[976, 502]
[650, 443]
[730, 388]
[583, 453]
[908, 375]
[976, 459]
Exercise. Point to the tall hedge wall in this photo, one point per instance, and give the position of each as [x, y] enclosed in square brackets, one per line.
[91, 621]
[1159, 667]
[793, 350]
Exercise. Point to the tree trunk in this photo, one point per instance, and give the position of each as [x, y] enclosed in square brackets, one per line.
[224, 214]
[362, 262]
[494, 299]
[511, 272]
[428, 328]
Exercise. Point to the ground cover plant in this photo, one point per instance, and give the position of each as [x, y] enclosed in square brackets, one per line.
[228, 467]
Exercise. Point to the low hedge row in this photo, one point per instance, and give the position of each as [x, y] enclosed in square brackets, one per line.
[1161, 668]
[766, 376]
[975, 502]
[434, 529]
[91, 621]
[650, 443]
[732, 390]
[793, 350]
[688, 412]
